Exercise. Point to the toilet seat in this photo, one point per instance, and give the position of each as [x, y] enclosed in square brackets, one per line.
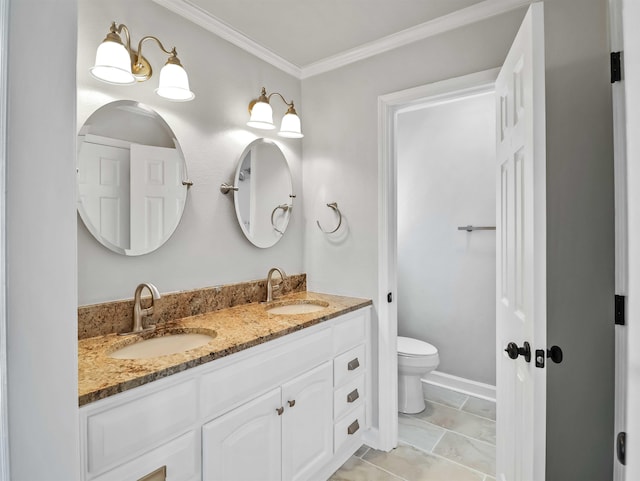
[409, 347]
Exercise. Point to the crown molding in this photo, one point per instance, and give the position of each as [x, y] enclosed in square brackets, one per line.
[460, 18]
[204, 19]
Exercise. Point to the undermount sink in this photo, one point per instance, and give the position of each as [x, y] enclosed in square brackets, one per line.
[297, 307]
[163, 344]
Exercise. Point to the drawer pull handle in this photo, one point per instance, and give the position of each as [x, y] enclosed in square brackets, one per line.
[280, 410]
[352, 396]
[292, 403]
[355, 364]
[353, 427]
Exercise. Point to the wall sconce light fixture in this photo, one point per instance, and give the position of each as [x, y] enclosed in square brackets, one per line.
[262, 116]
[117, 63]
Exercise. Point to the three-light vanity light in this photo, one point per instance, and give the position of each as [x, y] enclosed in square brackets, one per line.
[262, 116]
[117, 63]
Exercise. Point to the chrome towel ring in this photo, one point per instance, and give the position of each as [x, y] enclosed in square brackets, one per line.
[334, 206]
[285, 208]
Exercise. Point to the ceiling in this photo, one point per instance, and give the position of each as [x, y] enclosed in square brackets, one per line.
[307, 31]
[308, 37]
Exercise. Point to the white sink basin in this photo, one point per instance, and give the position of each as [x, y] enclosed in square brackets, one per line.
[163, 345]
[297, 307]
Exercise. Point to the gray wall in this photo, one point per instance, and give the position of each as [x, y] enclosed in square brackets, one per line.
[580, 241]
[41, 242]
[208, 247]
[341, 157]
[446, 278]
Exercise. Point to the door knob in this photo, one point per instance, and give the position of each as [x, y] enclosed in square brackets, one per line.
[555, 354]
[513, 351]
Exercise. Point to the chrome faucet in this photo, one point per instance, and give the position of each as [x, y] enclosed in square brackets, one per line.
[270, 286]
[138, 312]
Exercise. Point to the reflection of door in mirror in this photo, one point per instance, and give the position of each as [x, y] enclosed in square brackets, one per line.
[103, 186]
[270, 189]
[244, 191]
[157, 195]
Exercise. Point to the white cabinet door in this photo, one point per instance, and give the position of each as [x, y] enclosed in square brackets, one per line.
[307, 434]
[244, 444]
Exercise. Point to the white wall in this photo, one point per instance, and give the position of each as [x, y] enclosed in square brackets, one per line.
[631, 18]
[208, 247]
[41, 242]
[446, 277]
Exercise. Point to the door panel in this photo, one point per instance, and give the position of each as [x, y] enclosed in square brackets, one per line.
[521, 244]
[244, 444]
[307, 426]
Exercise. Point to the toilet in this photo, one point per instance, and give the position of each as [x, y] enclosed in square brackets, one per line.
[415, 359]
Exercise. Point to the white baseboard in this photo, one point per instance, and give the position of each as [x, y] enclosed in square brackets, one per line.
[461, 385]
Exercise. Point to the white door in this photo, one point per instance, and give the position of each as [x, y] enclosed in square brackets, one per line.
[307, 423]
[103, 190]
[157, 195]
[521, 253]
[244, 444]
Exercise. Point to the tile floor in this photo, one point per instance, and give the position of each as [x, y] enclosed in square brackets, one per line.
[453, 439]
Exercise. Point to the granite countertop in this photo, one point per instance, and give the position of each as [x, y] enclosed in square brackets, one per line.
[237, 328]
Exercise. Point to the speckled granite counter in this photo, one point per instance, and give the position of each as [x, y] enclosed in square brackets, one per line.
[237, 328]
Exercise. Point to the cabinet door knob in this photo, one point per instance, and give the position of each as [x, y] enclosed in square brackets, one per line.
[280, 410]
[352, 396]
[292, 403]
[353, 427]
[354, 364]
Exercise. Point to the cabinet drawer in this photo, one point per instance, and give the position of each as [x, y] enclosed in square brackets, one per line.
[180, 456]
[234, 384]
[350, 332]
[348, 365]
[349, 427]
[119, 434]
[348, 396]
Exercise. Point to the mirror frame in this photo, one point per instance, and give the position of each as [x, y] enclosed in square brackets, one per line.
[80, 207]
[236, 177]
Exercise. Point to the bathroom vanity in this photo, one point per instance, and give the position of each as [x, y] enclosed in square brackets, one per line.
[271, 397]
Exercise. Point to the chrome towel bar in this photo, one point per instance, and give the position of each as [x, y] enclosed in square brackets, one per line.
[470, 228]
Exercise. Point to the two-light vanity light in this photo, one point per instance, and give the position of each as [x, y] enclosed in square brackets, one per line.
[262, 116]
[117, 63]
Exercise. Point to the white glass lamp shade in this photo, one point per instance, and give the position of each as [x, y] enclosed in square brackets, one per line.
[174, 83]
[290, 127]
[113, 64]
[261, 116]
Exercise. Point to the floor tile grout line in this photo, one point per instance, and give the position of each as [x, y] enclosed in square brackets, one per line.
[449, 430]
[459, 464]
[385, 470]
[444, 457]
[365, 452]
[444, 431]
[460, 410]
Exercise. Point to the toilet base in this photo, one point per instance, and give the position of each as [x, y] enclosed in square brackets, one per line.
[410, 396]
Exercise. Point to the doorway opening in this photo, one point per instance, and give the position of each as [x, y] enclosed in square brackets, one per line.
[389, 108]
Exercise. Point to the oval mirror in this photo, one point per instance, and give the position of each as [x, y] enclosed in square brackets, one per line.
[132, 179]
[264, 195]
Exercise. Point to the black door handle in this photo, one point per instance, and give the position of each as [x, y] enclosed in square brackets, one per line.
[513, 351]
[555, 354]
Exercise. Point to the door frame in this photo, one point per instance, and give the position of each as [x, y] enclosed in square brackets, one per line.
[389, 106]
[4, 414]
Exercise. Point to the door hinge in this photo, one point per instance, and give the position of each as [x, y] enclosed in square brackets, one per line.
[616, 67]
[621, 448]
[389, 297]
[619, 310]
